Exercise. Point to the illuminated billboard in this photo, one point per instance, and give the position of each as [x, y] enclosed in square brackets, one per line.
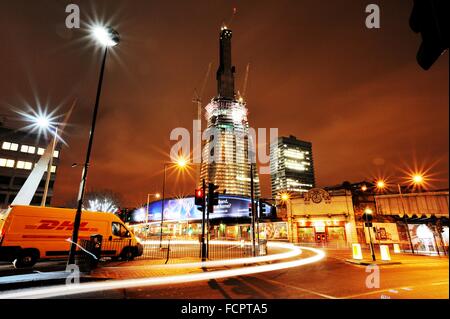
[177, 209]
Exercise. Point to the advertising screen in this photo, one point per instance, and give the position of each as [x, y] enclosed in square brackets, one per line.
[185, 209]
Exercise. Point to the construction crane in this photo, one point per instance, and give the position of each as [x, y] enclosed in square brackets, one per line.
[242, 96]
[197, 100]
[198, 96]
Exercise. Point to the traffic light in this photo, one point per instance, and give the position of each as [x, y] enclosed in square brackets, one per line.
[429, 18]
[262, 208]
[250, 210]
[213, 197]
[199, 198]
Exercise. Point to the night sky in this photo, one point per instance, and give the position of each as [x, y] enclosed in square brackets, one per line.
[316, 72]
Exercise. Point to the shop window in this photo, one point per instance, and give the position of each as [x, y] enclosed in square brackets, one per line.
[306, 235]
[336, 233]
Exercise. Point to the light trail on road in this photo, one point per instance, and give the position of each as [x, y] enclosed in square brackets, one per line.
[76, 289]
[293, 252]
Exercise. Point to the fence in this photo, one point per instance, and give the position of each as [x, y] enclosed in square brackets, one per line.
[166, 249]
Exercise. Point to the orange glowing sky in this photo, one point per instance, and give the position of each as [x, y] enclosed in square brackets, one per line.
[316, 73]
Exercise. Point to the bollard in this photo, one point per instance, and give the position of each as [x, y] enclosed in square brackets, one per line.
[357, 253]
[385, 255]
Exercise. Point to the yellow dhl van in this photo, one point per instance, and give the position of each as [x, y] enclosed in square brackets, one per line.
[30, 233]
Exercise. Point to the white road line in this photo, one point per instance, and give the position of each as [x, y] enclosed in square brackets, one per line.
[390, 289]
[298, 288]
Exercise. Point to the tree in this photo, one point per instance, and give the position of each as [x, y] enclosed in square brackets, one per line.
[102, 201]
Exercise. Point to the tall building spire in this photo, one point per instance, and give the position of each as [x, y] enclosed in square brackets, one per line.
[226, 152]
[225, 73]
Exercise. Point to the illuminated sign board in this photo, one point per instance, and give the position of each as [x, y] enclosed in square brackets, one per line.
[184, 209]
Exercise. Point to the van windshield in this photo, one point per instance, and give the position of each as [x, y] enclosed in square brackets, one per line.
[119, 230]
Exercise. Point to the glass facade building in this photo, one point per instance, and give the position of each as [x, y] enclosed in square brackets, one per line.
[291, 166]
[19, 152]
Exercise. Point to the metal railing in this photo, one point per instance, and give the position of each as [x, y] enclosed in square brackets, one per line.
[164, 250]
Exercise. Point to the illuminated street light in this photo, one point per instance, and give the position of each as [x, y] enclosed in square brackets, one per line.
[285, 197]
[107, 37]
[417, 179]
[181, 162]
[43, 123]
[381, 184]
[364, 188]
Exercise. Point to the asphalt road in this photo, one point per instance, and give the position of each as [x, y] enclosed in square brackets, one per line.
[417, 277]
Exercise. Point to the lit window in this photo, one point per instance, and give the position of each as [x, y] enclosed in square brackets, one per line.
[24, 165]
[40, 151]
[10, 163]
[6, 145]
[31, 149]
[10, 146]
[56, 154]
[24, 148]
[2, 162]
[53, 170]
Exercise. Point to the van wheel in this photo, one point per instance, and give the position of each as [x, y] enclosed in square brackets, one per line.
[127, 254]
[26, 258]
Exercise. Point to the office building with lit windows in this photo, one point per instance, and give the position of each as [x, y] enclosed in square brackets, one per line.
[19, 152]
[225, 156]
[291, 166]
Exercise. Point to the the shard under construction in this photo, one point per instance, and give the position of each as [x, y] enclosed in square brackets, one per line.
[225, 155]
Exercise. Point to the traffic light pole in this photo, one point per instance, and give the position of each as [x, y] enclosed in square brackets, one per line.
[203, 247]
[253, 209]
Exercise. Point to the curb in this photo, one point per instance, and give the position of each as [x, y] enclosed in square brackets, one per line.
[369, 262]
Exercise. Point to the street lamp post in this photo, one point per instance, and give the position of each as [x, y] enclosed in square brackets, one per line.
[162, 205]
[253, 209]
[180, 163]
[107, 37]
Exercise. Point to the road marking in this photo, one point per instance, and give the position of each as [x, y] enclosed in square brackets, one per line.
[392, 289]
[298, 288]
[439, 283]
